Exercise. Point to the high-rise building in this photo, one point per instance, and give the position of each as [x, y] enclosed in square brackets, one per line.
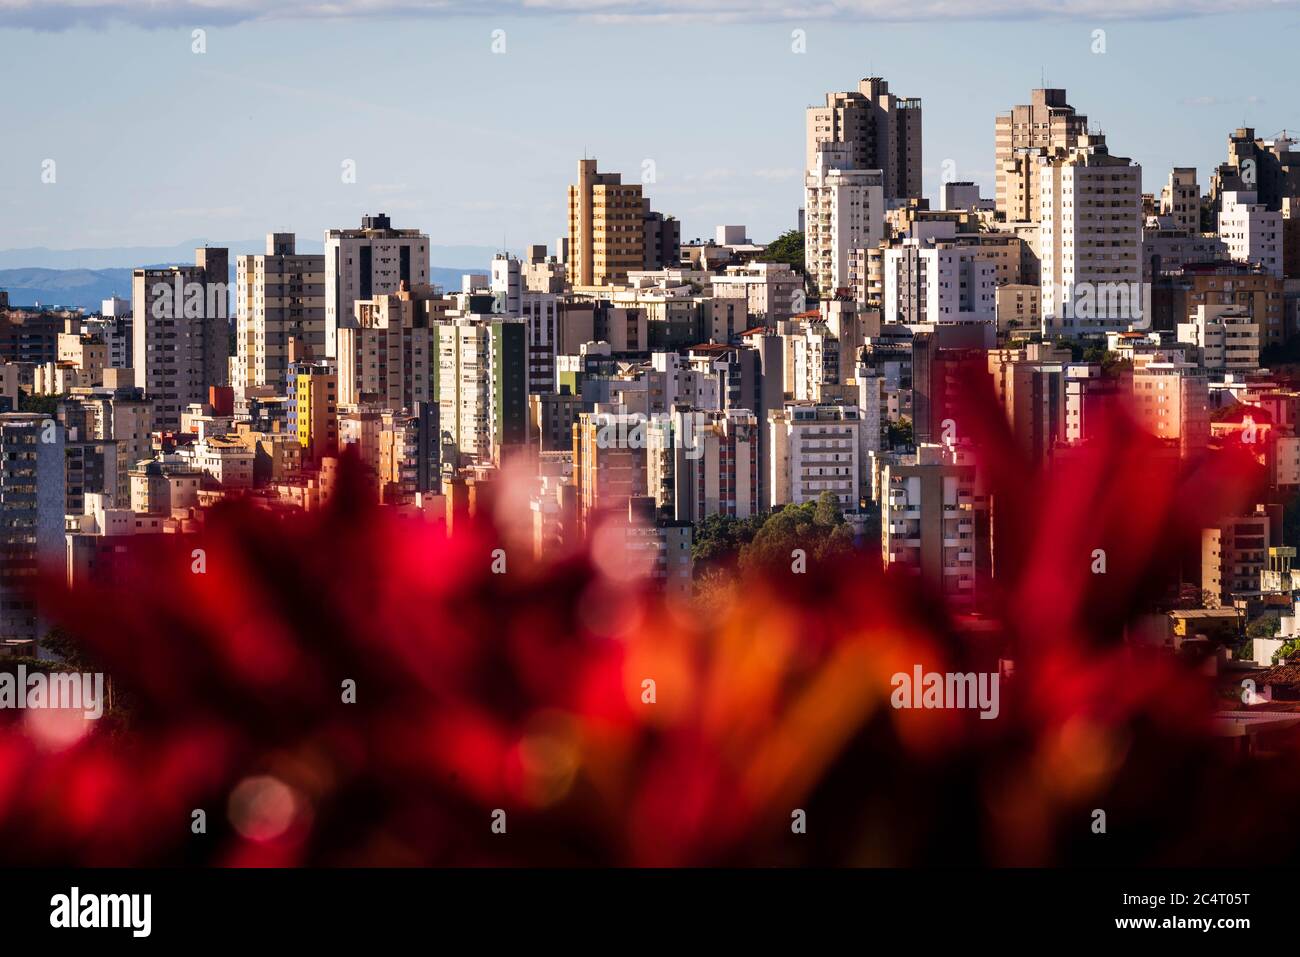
[845, 210]
[540, 311]
[31, 518]
[1171, 401]
[361, 263]
[663, 239]
[481, 368]
[607, 228]
[1030, 382]
[1043, 125]
[771, 291]
[609, 461]
[1252, 232]
[1180, 200]
[1233, 554]
[1090, 242]
[314, 407]
[935, 522]
[1268, 168]
[937, 283]
[1224, 338]
[704, 463]
[124, 416]
[815, 449]
[388, 355]
[279, 300]
[882, 131]
[180, 329]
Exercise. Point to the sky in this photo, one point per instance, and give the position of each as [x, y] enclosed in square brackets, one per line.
[153, 143]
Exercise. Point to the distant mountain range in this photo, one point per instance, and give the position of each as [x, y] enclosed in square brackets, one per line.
[88, 288]
[83, 278]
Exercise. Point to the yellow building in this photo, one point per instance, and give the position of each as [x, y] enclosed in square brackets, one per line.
[606, 227]
[313, 415]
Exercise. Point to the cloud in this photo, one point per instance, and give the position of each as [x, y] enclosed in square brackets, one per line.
[63, 14]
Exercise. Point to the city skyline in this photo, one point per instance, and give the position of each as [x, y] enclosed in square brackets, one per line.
[491, 169]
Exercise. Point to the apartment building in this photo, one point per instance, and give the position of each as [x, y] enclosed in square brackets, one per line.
[1233, 554]
[934, 521]
[844, 210]
[1090, 240]
[1224, 338]
[362, 263]
[32, 501]
[1171, 401]
[609, 461]
[606, 227]
[1042, 126]
[279, 312]
[481, 385]
[180, 332]
[1180, 200]
[1252, 232]
[772, 292]
[815, 449]
[314, 407]
[882, 131]
[387, 355]
[928, 283]
[704, 463]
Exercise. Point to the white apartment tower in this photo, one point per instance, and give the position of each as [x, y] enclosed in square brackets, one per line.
[1090, 240]
[1252, 232]
[928, 283]
[844, 211]
[373, 260]
[815, 449]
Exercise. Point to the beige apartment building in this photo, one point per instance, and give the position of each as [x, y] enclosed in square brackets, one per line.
[180, 332]
[1180, 200]
[882, 131]
[1171, 401]
[389, 355]
[279, 312]
[934, 522]
[1044, 124]
[1090, 240]
[606, 227]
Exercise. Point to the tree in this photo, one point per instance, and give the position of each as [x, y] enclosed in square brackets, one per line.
[1265, 626]
[900, 433]
[43, 404]
[828, 513]
[798, 526]
[67, 648]
[718, 540]
[786, 248]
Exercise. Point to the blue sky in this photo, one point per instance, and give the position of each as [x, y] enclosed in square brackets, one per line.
[155, 144]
